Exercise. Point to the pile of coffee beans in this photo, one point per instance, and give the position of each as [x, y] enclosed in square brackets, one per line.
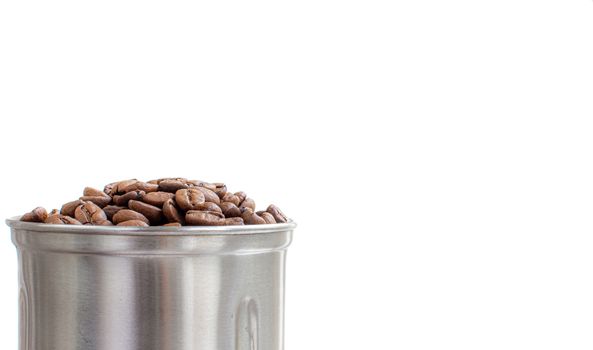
[166, 202]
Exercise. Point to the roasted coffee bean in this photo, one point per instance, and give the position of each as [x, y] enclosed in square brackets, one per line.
[204, 184]
[209, 195]
[54, 219]
[104, 223]
[158, 181]
[204, 218]
[247, 203]
[157, 198]
[195, 183]
[277, 214]
[188, 199]
[89, 213]
[70, 220]
[141, 186]
[109, 188]
[232, 198]
[59, 219]
[152, 213]
[51, 217]
[128, 215]
[171, 186]
[241, 195]
[117, 187]
[38, 214]
[68, 208]
[93, 192]
[110, 210]
[171, 212]
[233, 221]
[219, 189]
[166, 201]
[133, 223]
[123, 199]
[173, 224]
[230, 210]
[268, 218]
[100, 201]
[208, 206]
[251, 218]
[122, 185]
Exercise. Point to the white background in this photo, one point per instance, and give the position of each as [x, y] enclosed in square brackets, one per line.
[437, 155]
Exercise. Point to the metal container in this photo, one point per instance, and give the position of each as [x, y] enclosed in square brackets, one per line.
[151, 288]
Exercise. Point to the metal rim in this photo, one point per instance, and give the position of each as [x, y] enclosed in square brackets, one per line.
[15, 223]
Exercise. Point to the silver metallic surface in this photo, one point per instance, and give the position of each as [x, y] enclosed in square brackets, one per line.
[165, 288]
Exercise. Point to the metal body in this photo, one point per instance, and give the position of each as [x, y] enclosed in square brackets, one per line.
[156, 288]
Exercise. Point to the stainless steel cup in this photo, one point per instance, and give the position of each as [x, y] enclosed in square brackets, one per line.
[155, 288]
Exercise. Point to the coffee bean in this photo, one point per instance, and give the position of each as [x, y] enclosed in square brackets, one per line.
[247, 203]
[220, 189]
[209, 195]
[122, 185]
[189, 198]
[204, 184]
[232, 198]
[133, 223]
[204, 218]
[109, 188]
[68, 208]
[100, 201]
[208, 206]
[89, 213]
[171, 186]
[277, 214]
[233, 221]
[165, 201]
[152, 213]
[54, 219]
[173, 224]
[141, 186]
[241, 195]
[195, 183]
[157, 198]
[268, 218]
[38, 214]
[158, 181]
[59, 219]
[123, 199]
[70, 220]
[128, 215]
[230, 210]
[251, 218]
[93, 192]
[117, 187]
[110, 210]
[104, 223]
[171, 212]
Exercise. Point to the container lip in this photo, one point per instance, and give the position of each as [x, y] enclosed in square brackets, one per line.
[15, 223]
